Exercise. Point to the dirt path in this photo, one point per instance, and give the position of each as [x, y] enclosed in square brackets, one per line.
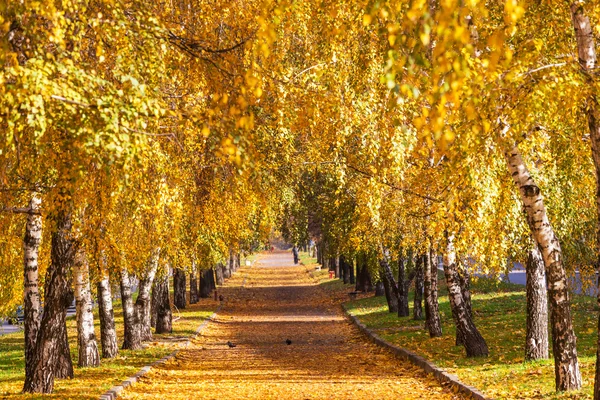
[328, 357]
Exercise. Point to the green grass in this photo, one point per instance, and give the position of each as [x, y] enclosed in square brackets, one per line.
[499, 310]
[90, 383]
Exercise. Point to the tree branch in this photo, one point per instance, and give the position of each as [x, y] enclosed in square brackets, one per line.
[21, 210]
[407, 191]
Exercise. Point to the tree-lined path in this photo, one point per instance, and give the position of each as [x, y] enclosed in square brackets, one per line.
[328, 357]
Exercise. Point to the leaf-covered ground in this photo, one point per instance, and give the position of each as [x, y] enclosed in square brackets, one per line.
[90, 383]
[328, 357]
[500, 316]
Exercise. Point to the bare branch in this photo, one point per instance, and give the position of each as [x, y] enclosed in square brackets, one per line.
[407, 191]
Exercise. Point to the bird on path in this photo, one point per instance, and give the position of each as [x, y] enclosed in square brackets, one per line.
[231, 345]
[288, 341]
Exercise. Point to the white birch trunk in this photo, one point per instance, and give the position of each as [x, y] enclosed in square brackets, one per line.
[86, 337]
[108, 333]
[31, 291]
[586, 51]
[566, 365]
[142, 304]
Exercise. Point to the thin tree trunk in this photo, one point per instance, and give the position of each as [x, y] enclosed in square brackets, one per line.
[391, 290]
[403, 310]
[464, 280]
[31, 291]
[205, 284]
[52, 358]
[564, 342]
[227, 272]
[352, 279]
[142, 303]
[131, 334]
[432, 311]
[219, 274]
[211, 280]
[536, 343]
[164, 316]
[336, 263]
[586, 50]
[155, 297]
[418, 299]
[345, 269]
[364, 282]
[194, 284]
[108, 333]
[86, 337]
[472, 340]
[179, 288]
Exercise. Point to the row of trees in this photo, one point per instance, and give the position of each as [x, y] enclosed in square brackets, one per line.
[144, 133]
[125, 148]
[443, 108]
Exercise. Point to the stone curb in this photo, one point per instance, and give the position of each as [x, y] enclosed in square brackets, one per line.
[441, 375]
[113, 392]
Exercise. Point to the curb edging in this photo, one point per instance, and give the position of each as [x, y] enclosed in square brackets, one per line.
[113, 392]
[441, 375]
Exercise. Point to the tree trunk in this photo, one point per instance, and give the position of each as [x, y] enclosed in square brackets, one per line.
[164, 316]
[319, 251]
[142, 303]
[227, 267]
[86, 337]
[345, 269]
[211, 280]
[390, 288]
[219, 274]
[155, 298]
[464, 280]
[131, 334]
[403, 286]
[379, 289]
[472, 340]
[586, 50]
[336, 266]
[31, 291]
[231, 262]
[108, 333]
[52, 358]
[363, 283]
[418, 299]
[205, 284]
[352, 279]
[564, 342]
[432, 311]
[194, 285]
[179, 288]
[536, 344]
